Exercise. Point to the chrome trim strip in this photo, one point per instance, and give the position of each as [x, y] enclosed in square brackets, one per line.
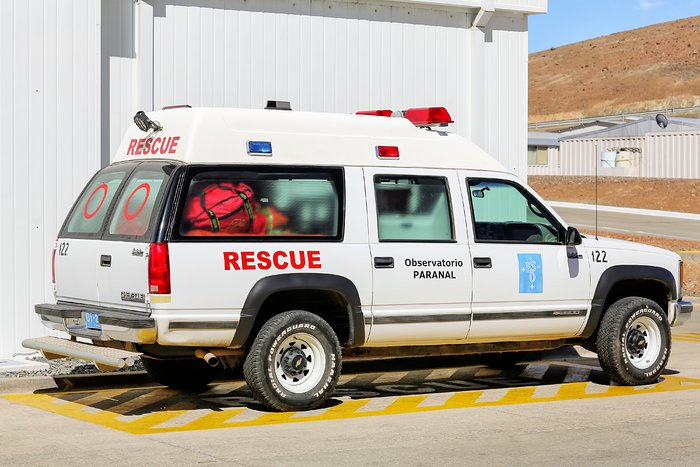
[202, 325]
[412, 319]
[488, 316]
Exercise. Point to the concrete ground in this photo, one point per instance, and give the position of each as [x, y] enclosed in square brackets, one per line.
[560, 411]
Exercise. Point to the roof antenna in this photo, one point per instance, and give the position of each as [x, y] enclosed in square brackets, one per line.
[597, 162]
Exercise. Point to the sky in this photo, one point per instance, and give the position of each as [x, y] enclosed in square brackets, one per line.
[568, 21]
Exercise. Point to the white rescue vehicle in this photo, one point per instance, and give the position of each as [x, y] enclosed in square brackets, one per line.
[282, 241]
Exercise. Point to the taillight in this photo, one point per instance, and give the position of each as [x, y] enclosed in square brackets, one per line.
[681, 275]
[53, 266]
[387, 152]
[158, 269]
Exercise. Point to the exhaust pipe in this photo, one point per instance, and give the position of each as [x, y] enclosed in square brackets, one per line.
[211, 359]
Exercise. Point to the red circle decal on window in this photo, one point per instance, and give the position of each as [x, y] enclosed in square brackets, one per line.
[90, 215]
[129, 216]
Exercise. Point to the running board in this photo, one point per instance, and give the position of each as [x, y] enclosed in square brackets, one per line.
[105, 358]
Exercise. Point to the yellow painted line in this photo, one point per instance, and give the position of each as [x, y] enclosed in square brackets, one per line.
[687, 336]
[166, 421]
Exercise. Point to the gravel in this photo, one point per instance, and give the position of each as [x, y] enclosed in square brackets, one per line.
[63, 367]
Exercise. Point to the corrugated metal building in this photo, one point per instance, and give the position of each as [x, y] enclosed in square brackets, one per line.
[635, 149]
[73, 73]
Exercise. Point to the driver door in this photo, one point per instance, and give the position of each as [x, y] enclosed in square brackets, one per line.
[526, 283]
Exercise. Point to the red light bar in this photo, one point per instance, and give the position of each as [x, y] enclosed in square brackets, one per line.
[388, 152]
[428, 116]
[377, 113]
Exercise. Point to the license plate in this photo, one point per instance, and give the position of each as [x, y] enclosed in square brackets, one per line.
[92, 320]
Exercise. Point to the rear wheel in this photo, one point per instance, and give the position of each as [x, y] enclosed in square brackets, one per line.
[634, 341]
[181, 373]
[294, 362]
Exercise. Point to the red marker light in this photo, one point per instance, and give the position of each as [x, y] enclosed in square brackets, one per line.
[158, 269]
[388, 152]
[428, 116]
[376, 113]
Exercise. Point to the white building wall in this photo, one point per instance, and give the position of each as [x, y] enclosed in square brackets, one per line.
[333, 56]
[50, 133]
[74, 72]
[582, 156]
[671, 155]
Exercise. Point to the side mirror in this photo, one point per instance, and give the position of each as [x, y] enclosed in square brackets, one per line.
[573, 237]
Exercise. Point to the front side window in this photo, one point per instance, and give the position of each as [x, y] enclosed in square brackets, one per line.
[263, 202]
[503, 213]
[413, 209]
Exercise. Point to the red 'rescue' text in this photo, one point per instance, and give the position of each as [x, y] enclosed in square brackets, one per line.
[152, 146]
[251, 260]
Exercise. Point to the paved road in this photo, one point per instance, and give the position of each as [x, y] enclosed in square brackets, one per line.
[560, 410]
[642, 224]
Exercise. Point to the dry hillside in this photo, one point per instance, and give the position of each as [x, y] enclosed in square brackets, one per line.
[649, 68]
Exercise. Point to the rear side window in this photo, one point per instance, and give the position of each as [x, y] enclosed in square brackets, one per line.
[413, 209]
[92, 207]
[262, 202]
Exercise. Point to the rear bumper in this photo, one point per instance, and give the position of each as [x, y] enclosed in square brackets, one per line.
[682, 311]
[115, 324]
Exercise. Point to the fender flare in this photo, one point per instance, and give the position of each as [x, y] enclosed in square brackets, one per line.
[616, 274]
[267, 286]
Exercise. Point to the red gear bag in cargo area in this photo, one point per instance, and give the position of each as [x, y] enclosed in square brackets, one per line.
[221, 207]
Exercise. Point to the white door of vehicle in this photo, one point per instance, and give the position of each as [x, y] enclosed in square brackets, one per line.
[527, 283]
[76, 257]
[421, 265]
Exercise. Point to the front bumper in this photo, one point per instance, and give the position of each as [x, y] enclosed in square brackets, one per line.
[115, 324]
[682, 311]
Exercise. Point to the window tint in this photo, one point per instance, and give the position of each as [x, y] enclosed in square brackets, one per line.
[263, 202]
[91, 208]
[132, 214]
[502, 213]
[412, 208]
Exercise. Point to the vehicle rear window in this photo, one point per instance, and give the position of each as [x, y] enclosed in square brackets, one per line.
[120, 202]
[263, 202]
[93, 205]
[134, 209]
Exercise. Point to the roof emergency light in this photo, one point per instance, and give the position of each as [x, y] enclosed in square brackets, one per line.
[259, 148]
[428, 116]
[387, 152]
[377, 113]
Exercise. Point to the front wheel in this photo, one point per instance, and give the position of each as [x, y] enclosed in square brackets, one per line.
[634, 341]
[294, 362]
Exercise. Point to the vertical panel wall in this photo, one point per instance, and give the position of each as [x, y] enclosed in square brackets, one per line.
[582, 156]
[332, 56]
[672, 155]
[50, 130]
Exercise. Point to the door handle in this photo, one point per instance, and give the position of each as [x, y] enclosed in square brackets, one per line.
[106, 261]
[484, 263]
[383, 262]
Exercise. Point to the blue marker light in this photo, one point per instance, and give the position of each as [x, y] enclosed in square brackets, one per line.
[259, 148]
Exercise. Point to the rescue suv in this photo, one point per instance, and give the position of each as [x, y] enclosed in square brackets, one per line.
[284, 241]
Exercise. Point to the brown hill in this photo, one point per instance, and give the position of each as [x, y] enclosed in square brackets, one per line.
[651, 68]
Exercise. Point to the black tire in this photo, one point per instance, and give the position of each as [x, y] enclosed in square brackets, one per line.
[634, 341]
[294, 362]
[182, 373]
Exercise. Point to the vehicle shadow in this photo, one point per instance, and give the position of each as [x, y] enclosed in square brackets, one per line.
[361, 379]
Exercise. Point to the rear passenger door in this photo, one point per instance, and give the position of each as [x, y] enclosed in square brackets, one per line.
[420, 260]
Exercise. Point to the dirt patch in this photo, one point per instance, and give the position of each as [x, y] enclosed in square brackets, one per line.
[651, 68]
[643, 193]
[659, 194]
